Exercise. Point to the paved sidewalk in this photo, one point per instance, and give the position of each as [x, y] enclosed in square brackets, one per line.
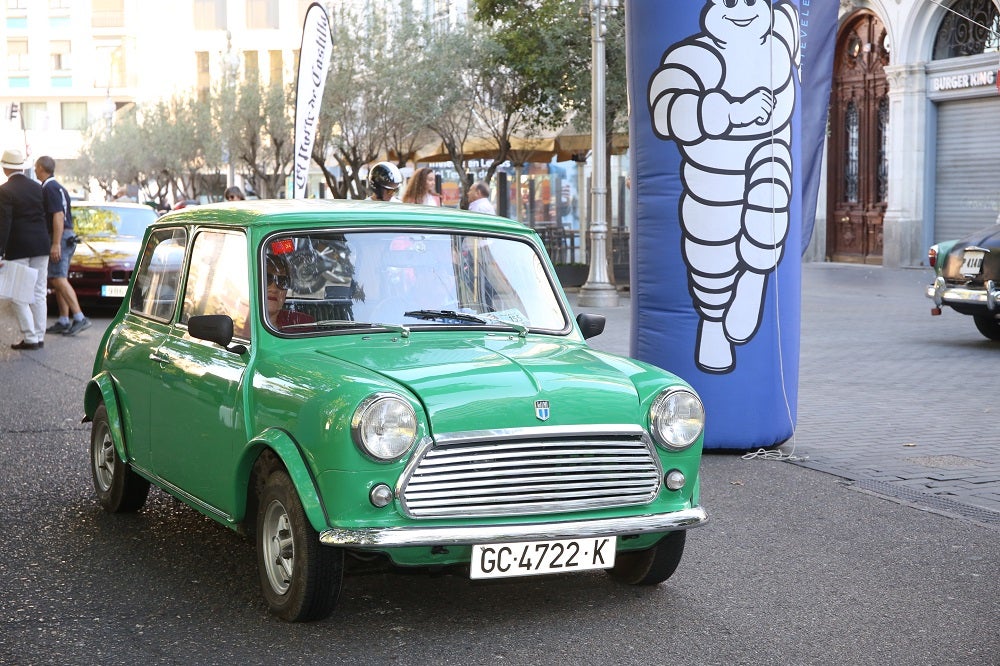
[901, 404]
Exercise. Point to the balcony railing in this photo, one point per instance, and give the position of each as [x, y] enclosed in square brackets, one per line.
[107, 18]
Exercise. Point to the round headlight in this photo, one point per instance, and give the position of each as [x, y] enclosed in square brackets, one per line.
[676, 418]
[384, 426]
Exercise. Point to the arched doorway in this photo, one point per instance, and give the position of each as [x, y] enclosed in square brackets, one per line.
[857, 188]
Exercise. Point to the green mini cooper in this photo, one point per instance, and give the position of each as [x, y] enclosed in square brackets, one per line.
[355, 378]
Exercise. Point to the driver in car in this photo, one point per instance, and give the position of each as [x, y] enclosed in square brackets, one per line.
[278, 283]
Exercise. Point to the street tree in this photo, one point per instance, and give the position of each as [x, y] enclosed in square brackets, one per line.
[349, 131]
[452, 115]
[260, 134]
[414, 85]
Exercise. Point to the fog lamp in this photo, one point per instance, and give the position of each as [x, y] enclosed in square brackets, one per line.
[675, 479]
[380, 495]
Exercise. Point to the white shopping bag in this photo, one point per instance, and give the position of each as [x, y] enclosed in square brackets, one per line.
[17, 282]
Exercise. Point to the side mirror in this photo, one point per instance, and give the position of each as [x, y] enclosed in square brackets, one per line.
[214, 328]
[591, 325]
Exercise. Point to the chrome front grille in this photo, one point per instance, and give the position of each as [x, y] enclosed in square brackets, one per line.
[531, 471]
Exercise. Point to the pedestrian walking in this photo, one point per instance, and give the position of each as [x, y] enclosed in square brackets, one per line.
[479, 198]
[24, 239]
[59, 214]
[420, 189]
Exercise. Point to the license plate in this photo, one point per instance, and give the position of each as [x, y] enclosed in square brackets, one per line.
[972, 263]
[113, 290]
[505, 560]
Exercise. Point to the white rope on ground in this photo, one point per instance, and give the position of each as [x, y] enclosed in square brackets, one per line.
[774, 454]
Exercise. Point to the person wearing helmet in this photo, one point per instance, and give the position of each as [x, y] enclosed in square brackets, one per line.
[384, 179]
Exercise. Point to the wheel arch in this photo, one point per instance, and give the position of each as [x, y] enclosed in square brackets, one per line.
[276, 447]
[101, 389]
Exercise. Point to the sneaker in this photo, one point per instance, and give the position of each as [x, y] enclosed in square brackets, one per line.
[58, 327]
[77, 325]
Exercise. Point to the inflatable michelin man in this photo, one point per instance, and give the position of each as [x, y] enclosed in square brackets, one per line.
[725, 96]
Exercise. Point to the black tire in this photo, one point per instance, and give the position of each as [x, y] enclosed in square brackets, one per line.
[119, 489]
[988, 325]
[651, 566]
[300, 578]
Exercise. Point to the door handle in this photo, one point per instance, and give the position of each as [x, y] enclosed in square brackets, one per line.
[159, 358]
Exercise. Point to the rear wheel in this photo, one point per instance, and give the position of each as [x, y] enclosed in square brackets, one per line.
[988, 325]
[119, 489]
[300, 578]
[651, 566]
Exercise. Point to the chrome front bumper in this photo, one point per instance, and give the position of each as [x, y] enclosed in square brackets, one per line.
[942, 294]
[394, 537]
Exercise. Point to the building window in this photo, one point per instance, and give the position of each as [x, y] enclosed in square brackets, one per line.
[35, 115]
[17, 55]
[851, 159]
[60, 4]
[18, 5]
[110, 70]
[883, 148]
[262, 14]
[276, 74]
[970, 28]
[108, 14]
[210, 15]
[251, 66]
[60, 55]
[74, 115]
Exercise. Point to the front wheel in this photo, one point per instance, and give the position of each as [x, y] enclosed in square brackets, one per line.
[988, 325]
[119, 489]
[301, 579]
[651, 566]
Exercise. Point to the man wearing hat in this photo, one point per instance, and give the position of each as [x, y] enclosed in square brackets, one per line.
[24, 238]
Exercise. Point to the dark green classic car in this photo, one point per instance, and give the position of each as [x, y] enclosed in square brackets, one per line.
[358, 379]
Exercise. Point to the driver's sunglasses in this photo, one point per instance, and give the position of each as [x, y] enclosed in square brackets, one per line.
[278, 280]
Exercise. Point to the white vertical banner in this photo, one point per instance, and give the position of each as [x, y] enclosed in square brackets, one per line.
[314, 61]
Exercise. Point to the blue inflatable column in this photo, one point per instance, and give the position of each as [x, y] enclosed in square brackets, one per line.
[717, 136]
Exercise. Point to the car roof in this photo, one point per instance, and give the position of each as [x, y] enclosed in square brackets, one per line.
[263, 213]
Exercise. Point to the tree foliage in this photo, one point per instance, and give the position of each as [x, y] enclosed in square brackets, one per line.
[396, 85]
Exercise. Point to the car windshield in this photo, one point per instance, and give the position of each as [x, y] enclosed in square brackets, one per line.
[324, 282]
[112, 221]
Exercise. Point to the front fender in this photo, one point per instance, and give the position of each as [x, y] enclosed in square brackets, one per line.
[291, 457]
[101, 389]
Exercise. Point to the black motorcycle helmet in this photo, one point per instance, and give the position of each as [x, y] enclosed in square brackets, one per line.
[384, 177]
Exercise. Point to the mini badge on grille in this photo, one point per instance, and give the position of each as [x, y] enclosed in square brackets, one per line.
[542, 410]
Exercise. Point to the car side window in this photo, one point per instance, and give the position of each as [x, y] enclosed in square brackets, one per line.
[218, 281]
[154, 292]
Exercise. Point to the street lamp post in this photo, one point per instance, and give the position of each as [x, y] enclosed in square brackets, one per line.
[598, 290]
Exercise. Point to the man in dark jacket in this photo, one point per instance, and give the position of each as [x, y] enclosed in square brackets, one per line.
[24, 239]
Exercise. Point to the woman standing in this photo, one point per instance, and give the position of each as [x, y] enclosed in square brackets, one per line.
[421, 187]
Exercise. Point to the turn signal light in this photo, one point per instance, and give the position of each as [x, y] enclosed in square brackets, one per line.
[932, 256]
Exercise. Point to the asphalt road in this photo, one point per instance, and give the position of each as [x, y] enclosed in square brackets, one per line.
[796, 566]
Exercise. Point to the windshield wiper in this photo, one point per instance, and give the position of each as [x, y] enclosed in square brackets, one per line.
[444, 315]
[346, 323]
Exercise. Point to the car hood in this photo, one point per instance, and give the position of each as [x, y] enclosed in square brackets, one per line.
[101, 253]
[472, 385]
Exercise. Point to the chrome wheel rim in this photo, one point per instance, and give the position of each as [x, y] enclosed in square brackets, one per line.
[279, 553]
[104, 461]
